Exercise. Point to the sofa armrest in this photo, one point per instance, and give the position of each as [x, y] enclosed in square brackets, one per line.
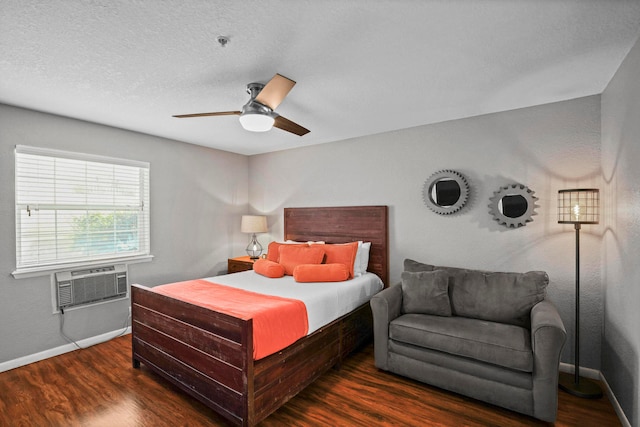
[547, 340]
[385, 306]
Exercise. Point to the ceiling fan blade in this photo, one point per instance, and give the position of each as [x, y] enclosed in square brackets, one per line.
[220, 113]
[275, 91]
[289, 126]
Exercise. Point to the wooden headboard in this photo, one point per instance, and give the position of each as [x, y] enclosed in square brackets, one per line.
[342, 225]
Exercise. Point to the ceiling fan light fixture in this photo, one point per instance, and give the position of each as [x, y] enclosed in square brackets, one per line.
[257, 122]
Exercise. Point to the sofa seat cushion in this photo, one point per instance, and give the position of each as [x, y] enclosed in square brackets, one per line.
[500, 344]
[453, 363]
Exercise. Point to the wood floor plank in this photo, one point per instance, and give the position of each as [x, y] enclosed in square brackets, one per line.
[98, 387]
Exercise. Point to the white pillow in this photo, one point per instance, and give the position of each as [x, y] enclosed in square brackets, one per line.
[362, 259]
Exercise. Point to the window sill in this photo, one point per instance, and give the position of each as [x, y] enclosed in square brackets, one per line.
[25, 273]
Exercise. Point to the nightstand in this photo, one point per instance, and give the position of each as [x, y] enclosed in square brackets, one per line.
[241, 263]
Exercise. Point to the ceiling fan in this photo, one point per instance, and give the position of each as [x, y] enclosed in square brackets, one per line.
[258, 114]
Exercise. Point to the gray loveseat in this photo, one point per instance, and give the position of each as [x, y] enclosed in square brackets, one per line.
[489, 335]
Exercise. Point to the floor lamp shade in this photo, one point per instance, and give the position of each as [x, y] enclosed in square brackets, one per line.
[254, 224]
[581, 206]
[578, 206]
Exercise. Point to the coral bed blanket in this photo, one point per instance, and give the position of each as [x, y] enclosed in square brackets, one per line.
[277, 322]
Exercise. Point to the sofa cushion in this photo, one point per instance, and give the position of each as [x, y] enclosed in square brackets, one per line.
[426, 292]
[499, 297]
[500, 344]
[415, 266]
[494, 296]
[463, 365]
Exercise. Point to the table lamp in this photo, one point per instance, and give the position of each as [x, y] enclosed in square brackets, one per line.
[254, 224]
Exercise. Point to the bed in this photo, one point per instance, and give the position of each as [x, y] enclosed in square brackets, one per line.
[209, 355]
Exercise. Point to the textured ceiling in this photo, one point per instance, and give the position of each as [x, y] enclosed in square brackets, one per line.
[362, 67]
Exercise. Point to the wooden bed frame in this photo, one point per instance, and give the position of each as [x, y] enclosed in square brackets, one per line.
[209, 355]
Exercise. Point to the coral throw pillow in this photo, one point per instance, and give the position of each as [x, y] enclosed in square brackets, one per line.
[268, 268]
[273, 250]
[342, 254]
[293, 255]
[320, 273]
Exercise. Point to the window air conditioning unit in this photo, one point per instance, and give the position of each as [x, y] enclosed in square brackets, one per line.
[92, 285]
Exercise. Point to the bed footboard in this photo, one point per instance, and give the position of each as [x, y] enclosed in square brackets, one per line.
[209, 355]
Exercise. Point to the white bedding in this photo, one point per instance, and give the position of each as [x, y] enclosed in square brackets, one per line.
[325, 301]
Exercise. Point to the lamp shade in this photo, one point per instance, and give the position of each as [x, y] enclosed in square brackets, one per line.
[579, 206]
[253, 224]
[256, 122]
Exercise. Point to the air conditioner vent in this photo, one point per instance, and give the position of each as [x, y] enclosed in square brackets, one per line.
[98, 270]
[92, 285]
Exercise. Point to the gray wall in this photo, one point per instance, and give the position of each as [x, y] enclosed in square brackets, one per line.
[197, 197]
[621, 248]
[547, 148]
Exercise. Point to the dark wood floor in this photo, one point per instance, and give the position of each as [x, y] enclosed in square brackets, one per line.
[98, 387]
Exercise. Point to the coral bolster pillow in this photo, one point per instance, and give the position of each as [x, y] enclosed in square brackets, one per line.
[342, 254]
[268, 268]
[294, 255]
[321, 273]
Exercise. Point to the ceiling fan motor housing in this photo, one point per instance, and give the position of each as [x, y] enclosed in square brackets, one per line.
[253, 106]
[255, 116]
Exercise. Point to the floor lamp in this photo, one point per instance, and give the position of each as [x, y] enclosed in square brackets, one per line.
[577, 207]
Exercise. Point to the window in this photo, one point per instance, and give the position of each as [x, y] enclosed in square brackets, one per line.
[75, 208]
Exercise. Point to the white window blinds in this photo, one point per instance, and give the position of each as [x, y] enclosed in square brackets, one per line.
[74, 207]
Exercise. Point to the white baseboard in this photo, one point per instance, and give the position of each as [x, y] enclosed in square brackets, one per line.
[616, 405]
[594, 374]
[87, 342]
